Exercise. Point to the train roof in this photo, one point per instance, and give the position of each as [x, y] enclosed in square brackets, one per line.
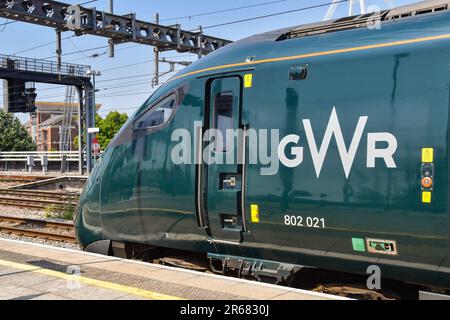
[354, 22]
[422, 19]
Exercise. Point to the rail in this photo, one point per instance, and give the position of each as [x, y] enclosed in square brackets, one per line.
[43, 229]
[38, 199]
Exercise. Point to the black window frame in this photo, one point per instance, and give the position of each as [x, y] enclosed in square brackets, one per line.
[153, 106]
[215, 117]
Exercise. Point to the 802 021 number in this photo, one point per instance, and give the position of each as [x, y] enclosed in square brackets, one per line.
[308, 222]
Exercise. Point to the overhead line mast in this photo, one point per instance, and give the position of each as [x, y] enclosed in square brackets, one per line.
[110, 40]
[351, 3]
[156, 58]
[363, 9]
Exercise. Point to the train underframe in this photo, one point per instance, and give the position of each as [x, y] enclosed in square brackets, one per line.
[302, 277]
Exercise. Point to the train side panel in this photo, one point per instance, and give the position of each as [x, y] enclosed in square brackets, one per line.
[146, 198]
[325, 211]
[325, 220]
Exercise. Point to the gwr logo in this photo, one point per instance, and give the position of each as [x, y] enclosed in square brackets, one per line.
[217, 147]
[347, 155]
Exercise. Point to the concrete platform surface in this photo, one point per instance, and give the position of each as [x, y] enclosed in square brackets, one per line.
[35, 272]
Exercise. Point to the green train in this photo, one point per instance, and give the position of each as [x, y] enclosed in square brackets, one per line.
[322, 146]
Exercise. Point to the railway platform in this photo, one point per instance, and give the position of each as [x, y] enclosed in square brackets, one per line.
[36, 272]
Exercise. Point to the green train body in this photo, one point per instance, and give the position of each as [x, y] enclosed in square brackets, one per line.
[367, 108]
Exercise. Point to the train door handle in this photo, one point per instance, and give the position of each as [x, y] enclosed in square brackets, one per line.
[230, 182]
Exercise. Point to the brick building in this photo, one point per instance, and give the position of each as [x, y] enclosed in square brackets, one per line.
[45, 126]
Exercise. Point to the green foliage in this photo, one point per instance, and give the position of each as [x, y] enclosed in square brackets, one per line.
[57, 212]
[13, 135]
[75, 142]
[108, 126]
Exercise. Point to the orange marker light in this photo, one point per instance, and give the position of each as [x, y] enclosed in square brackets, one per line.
[427, 182]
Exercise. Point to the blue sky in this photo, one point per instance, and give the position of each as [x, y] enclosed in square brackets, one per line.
[126, 95]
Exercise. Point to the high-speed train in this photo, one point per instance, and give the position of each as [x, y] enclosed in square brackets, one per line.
[318, 146]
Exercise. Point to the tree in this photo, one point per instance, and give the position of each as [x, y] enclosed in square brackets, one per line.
[108, 126]
[13, 135]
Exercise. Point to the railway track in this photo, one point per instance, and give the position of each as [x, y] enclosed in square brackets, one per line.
[64, 231]
[37, 199]
[22, 178]
[43, 229]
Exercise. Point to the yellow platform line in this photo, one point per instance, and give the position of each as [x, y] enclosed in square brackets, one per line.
[92, 282]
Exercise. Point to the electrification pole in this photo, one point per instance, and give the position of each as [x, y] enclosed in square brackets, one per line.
[110, 40]
[199, 39]
[156, 57]
[111, 6]
[91, 119]
[351, 4]
[58, 51]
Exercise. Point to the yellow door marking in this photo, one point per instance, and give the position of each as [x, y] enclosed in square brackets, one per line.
[91, 282]
[318, 54]
[248, 80]
[426, 197]
[427, 155]
[254, 209]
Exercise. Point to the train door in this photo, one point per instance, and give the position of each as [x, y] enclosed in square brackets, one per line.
[224, 178]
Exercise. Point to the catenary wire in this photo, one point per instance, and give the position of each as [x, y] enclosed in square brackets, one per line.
[271, 15]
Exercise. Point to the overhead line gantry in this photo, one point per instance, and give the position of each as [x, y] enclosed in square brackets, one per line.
[126, 28]
[117, 28]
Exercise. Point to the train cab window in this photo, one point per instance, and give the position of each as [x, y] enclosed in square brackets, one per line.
[223, 115]
[157, 115]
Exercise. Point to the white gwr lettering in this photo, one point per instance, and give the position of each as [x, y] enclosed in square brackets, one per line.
[334, 128]
[347, 156]
[265, 148]
[386, 154]
[297, 151]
